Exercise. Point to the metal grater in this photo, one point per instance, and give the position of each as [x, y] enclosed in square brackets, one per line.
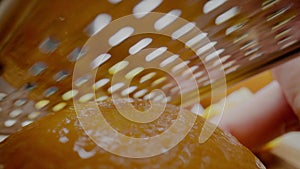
[41, 41]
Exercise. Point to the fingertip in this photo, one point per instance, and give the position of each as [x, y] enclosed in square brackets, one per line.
[259, 120]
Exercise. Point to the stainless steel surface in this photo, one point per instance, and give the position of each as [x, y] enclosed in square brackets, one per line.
[41, 40]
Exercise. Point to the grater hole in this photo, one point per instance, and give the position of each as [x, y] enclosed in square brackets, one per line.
[252, 51]
[212, 81]
[87, 97]
[278, 13]
[222, 60]
[225, 58]
[180, 66]
[167, 19]
[283, 33]
[240, 37]
[102, 98]
[99, 23]
[156, 53]
[196, 39]
[76, 54]
[49, 45]
[115, 87]
[2, 96]
[121, 36]
[208, 82]
[128, 90]
[202, 79]
[249, 44]
[158, 81]
[289, 44]
[235, 27]
[50, 91]
[20, 102]
[59, 106]
[38, 68]
[162, 97]
[158, 98]
[268, 3]
[61, 75]
[228, 64]
[147, 77]
[227, 15]
[114, 1]
[183, 30]
[26, 123]
[69, 94]
[144, 7]
[101, 59]
[118, 67]
[174, 90]
[190, 70]
[256, 55]
[15, 113]
[284, 40]
[10, 123]
[41, 104]
[149, 96]
[30, 86]
[169, 60]
[167, 86]
[34, 115]
[82, 80]
[205, 48]
[198, 74]
[131, 74]
[212, 5]
[232, 69]
[100, 83]
[283, 22]
[140, 93]
[214, 55]
[140, 45]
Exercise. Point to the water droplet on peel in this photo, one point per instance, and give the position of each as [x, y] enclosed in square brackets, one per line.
[63, 139]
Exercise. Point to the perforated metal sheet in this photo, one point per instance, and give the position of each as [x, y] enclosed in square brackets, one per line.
[42, 40]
